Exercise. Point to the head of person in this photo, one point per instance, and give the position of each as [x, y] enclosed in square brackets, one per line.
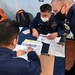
[9, 31]
[45, 12]
[61, 8]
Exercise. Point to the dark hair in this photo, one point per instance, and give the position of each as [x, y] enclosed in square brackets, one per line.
[8, 31]
[45, 7]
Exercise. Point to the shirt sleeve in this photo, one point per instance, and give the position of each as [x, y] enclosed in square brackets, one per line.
[34, 22]
[34, 64]
[33, 56]
[72, 24]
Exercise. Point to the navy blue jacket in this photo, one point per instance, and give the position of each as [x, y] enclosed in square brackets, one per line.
[51, 26]
[71, 18]
[18, 66]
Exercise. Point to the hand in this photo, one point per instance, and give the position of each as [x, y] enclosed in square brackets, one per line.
[29, 49]
[52, 36]
[35, 33]
[20, 52]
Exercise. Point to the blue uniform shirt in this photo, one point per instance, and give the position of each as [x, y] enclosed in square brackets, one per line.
[51, 26]
[18, 66]
[71, 18]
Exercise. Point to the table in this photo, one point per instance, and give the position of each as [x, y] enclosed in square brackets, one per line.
[59, 64]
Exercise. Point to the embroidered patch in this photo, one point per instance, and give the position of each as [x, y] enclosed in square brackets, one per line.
[54, 25]
[67, 27]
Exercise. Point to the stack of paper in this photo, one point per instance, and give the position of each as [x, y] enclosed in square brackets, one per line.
[57, 49]
[36, 45]
[20, 47]
[43, 38]
[26, 31]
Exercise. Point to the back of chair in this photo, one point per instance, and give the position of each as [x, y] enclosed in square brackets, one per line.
[23, 18]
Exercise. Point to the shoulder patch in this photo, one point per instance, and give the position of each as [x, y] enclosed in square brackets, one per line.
[67, 27]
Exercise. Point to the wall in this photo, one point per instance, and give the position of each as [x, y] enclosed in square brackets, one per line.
[12, 6]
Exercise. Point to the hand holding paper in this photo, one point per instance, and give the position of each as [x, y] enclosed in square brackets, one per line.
[20, 52]
[52, 36]
[43, 38]
[29, 49]
[35, 32]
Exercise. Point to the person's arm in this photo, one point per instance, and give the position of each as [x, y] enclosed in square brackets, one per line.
[72, 24]
[18, 53]
[32, 67]
[64, 29]
[32, 55]
[34, 64]
[35, 33]
[34, 22]
[52, 36]
[34, 25]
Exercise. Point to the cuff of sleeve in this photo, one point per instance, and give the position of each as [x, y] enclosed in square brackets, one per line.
[31, 55]
[59, 34]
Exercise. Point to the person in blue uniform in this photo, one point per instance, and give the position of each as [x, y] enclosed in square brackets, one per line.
[45, 22]
[10, 64]
[65, 9]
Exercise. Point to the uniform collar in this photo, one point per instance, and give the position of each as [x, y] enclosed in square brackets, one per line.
[70, 11]
[7, 51]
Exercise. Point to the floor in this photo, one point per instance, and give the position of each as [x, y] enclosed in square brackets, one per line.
[70, 54]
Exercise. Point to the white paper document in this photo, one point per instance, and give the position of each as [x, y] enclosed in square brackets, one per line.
[26, 31]
[43, 38]
[20, 28]
[19, 47]
[36, 45]
[57, 49]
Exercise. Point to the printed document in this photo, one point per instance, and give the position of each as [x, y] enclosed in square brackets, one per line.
[36, 45]
[57, 49]
[19, 47]
[43, 38]
[26, 31]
